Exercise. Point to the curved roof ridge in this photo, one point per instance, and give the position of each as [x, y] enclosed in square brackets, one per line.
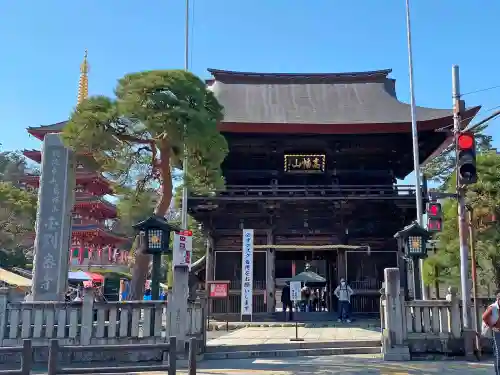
[229, 75]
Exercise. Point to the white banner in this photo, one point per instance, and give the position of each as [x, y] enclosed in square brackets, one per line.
[295, 288]
[183, 247]
[247, 273]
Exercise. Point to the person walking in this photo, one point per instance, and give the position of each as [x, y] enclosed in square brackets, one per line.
[491, 322]
[287, 301]
[344, 292]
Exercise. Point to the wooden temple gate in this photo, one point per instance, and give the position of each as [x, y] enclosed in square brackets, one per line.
[338, 261]
[311, 164]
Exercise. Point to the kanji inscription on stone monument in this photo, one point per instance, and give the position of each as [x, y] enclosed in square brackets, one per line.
[53, 224]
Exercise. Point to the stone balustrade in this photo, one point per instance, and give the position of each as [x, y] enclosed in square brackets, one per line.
[432, 326]
[89, 322]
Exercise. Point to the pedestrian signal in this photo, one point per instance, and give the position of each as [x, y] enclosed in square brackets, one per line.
[434, 217]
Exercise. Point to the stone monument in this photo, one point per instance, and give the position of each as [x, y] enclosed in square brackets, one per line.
[53, 221]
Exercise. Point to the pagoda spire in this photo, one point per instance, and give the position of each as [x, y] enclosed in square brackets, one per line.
[83, 84]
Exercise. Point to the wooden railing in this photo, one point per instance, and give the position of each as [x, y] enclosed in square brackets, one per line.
[312, 191]
[85, 323]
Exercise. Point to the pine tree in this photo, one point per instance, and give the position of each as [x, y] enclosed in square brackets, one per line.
[138, 138]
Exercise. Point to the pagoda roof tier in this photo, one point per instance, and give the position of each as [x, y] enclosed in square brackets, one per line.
[97, 208]
[96, 235]
[40, 131]
[92, 182]
[318, 103]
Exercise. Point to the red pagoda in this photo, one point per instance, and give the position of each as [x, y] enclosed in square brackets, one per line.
[93, 243]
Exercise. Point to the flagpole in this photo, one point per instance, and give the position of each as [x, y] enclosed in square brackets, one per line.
[416, 158]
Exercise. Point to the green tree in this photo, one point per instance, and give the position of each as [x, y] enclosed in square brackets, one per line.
[134, 207]
[440, 168]
[17, 222]
[12, 166]
[138, 138]
[484, 199]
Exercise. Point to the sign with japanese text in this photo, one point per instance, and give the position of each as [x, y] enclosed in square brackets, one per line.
[219, 289]
[183, 248]
[299, 163]
[247, 273]
[295, 287]
[53, 223]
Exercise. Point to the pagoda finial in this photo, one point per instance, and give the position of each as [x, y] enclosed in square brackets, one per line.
[83, 84]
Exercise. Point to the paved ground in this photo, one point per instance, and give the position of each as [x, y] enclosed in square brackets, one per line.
[278, 335]
[345, 365]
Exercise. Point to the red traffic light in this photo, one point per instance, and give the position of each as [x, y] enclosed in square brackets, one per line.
[465, 141]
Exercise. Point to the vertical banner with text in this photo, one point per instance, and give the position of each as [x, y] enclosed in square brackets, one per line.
[183, 247]
[247, 273]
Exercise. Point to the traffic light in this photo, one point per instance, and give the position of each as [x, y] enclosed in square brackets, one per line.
[466, 159]
[434, 217]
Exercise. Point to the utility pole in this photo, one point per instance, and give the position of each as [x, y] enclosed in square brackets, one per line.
[417, 264]
[475, 323]
[184, 222]
[180, 289]
[462, 212]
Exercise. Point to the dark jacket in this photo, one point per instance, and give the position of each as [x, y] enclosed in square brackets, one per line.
[285, 295]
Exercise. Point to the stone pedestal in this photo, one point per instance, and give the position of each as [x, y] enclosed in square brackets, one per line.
[179, 305]
[53, 223]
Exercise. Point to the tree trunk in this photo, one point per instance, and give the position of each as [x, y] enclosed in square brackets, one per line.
[142, 260]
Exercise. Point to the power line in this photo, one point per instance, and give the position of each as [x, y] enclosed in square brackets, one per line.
[481, 90]
[482, 111]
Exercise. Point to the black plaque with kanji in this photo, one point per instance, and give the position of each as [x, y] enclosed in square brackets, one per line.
[300, 163]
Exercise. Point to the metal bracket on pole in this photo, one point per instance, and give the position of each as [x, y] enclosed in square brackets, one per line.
[438, 195]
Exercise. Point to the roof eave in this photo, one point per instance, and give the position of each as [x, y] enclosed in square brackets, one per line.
[469, 116]
[232, 76]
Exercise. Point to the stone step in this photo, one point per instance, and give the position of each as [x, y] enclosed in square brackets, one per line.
[295, 346]
[376, 350]
[230, 326]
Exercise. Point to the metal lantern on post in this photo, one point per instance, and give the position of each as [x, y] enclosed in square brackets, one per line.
[155, 234]
[412, 239]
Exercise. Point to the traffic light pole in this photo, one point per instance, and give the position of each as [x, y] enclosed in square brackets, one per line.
[462, 212]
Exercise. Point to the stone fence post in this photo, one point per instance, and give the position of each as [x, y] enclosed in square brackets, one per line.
[455, 322]
[394, 346]
[454, 315]
[87, 316]
[4, 294]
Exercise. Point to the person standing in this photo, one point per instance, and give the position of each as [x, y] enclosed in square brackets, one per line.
[491, 321]
[344, 292]
[286, 300]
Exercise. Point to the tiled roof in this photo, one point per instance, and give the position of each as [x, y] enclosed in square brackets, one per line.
[333, 98]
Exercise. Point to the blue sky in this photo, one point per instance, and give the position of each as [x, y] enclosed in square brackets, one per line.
[43, 44]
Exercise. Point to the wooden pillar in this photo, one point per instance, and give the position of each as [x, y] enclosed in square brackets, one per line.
[329, 290]
[270, 274]
[341, 265]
